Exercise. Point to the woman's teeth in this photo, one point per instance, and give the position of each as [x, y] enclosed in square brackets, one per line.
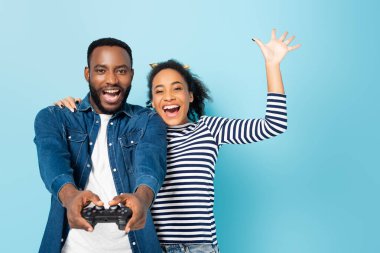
[171, 108]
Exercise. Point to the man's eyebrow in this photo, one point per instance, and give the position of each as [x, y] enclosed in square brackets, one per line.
[122, 66]
[100, 66]
[105, 66]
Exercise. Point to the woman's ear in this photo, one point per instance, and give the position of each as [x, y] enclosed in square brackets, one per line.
[191, 97]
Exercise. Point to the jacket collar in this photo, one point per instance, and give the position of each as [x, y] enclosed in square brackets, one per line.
[85, 106]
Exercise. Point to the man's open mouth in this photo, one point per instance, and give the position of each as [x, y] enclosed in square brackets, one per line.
[111, 95]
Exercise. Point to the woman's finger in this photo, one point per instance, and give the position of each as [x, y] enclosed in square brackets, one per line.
[273, 34]
[69, 102]
[283, 36]
[287, 42]
[58, 103]
[258, 42]
[291, 48]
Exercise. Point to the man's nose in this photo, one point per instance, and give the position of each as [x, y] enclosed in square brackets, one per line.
[111, 78]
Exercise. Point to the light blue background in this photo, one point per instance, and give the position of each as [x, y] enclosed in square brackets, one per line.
[313, 189]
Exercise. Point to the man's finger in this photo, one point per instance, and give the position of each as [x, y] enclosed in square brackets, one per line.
[80, 223]
[93, 198]
[74, 216]
[122, 198]
[131, 224]
[116, 200]
[135, 224]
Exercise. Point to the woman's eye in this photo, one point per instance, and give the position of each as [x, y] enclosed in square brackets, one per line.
[158, 91]
[178, 88]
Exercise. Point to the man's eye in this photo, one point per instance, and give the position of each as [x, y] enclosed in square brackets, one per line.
[178, 88]
[158, 91]
[100, 71]
[122, 71]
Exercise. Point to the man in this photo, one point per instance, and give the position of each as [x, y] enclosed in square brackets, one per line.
[108, 152]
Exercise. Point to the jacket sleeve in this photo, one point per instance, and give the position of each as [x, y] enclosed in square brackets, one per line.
[52, 150]
[150, 156]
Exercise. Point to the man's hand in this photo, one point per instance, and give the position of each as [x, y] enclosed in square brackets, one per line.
[139, 203]
[74, 201]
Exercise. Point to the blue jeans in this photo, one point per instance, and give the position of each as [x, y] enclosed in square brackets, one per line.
[190, 248]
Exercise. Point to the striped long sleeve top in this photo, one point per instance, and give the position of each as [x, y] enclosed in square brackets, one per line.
[183, 209]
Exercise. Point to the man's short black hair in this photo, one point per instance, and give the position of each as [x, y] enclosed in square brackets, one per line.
[108, 42]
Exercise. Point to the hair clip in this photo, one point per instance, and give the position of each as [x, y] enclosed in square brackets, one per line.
[153, 65]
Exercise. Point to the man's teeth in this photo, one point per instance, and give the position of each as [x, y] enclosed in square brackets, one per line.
[111, 91]
[168, 107]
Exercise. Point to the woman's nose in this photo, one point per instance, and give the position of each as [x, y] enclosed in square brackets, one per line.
[168, 96]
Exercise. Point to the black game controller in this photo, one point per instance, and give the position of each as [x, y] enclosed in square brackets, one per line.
[98, 214]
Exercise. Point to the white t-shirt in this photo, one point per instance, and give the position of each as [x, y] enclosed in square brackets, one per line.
[106, 237]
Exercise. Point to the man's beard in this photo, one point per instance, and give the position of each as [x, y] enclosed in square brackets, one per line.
[95, 97]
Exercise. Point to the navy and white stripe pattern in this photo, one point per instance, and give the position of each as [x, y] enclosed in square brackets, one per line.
[183, 209]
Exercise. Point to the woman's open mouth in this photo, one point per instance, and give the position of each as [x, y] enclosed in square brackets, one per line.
[171, 110]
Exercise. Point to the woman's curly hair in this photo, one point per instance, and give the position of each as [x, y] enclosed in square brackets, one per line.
[195, 85]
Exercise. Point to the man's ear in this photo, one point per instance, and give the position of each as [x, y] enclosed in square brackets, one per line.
[132, 74]
[191, 97]
[87, 74]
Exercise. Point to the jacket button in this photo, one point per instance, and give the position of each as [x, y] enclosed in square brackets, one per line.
[133, 243]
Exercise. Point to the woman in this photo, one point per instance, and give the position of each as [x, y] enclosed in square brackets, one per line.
[183, 210]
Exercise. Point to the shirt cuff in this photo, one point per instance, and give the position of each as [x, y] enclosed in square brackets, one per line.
[276, 94]
[59, 182]
[150, 182]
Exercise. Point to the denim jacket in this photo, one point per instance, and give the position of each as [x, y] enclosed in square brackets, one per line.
[137, 155]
